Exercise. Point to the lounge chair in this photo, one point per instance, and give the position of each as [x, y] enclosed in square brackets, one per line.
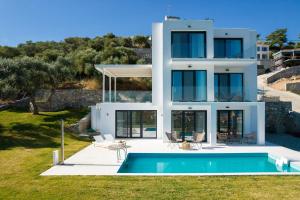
[98, 140]
[198, 138]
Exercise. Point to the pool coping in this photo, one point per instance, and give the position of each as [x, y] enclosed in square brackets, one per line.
[98, 161]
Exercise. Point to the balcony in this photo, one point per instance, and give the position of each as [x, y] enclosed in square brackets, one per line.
[112, 94]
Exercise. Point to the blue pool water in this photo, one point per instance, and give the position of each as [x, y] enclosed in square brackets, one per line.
[200, 163]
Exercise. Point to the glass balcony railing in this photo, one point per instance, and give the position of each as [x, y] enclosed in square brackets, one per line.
[129, 96]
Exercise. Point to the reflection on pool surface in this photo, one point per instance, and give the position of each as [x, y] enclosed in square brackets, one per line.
[201, 163]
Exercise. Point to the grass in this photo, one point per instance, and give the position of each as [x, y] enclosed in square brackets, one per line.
[27, 142]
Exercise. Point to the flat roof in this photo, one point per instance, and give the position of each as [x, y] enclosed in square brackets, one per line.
[126, 70]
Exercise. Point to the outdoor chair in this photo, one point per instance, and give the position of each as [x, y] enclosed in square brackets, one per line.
[222, 137]
[198, 138]
[171, 141]
[176, 136]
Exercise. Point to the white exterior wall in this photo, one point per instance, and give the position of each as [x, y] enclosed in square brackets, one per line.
[163, 64]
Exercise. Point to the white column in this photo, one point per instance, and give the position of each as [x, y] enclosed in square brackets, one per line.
[261, 123]
[212, 122]
[115, 89]
[210, 83]
[109, 88]
[103, 86]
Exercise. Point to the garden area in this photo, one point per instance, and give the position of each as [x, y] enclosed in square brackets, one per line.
[27, 142]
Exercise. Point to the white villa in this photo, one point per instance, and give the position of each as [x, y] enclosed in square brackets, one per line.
[203, 80]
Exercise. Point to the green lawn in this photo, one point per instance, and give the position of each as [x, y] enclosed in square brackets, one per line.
[27, 142]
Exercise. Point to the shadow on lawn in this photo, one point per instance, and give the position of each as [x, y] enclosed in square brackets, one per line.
[30, 136]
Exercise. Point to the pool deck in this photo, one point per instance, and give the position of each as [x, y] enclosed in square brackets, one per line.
[100, 160]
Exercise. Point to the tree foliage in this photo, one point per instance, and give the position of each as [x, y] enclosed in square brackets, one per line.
[277, 39]
[35, 65]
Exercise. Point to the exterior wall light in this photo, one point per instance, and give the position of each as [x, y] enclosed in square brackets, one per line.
[189, 26]
[227, 106]
[189, 66]
[227, 70]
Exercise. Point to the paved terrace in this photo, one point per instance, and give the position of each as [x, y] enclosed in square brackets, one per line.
[99, 160]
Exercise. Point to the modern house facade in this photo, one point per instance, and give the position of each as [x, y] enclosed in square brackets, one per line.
[203, 80]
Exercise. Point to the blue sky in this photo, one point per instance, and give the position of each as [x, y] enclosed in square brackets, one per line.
[40, 20]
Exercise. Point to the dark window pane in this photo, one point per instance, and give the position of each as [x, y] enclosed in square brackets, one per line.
[236, 122]
[188, 86]
[200, 86]
[149, 124]
[177, 86]
[233, 48]
[136, 123]
[122, 124]
[224, 87]
[176, 121]
[197, 45]
[216, 87]
[219, 48]
[180, 45]
[236, 87]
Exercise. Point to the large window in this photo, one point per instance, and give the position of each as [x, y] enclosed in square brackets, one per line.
[189, 85]
[186, 123]
[230, 122]
[228, 47]
[136, 124]
[229, 87]
[188, 44]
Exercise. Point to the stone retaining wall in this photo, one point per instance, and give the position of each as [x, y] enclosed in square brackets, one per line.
[293, 87]
[22, 104]
[277, 116]
[68, 98]
[286, 73]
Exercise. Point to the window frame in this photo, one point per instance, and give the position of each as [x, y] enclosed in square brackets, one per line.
[228, 84]
[225, 39]
[129, 124]
[182, 86]
[188, 32]
[194, 124]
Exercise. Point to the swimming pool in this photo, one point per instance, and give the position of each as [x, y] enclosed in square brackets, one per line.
[202, 163]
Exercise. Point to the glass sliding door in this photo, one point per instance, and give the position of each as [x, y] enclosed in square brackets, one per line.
[200, 86]
[177, 85]
[149, 124]
[189, 85]
[229, 125]
[136, 124]
[188, 44]
[229, 87]
[122, 125]
[186, 123]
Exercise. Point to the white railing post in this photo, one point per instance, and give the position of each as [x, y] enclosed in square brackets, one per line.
[103, 86]
[109, 88]
[62, 142]
[115, 88]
